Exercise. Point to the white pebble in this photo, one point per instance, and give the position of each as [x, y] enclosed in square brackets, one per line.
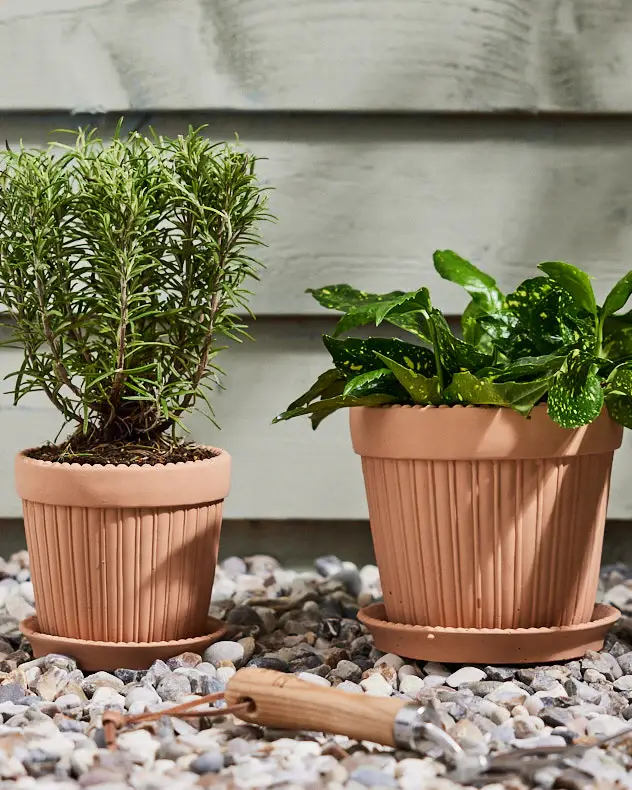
[533, 705]
[411, 685]
[465, 675]
[377, 686]
[309, 677]
[349, 686]
[408, 669]
[391, 660]
[68, 702]
[140, 745]
[539, 741]
[430, 681]
[104, 694]
[224, 651]
[606, 725]
[145, 695]
[433, 668]
[519, 710]
[508, 695]
[624, 683]
[557, 690]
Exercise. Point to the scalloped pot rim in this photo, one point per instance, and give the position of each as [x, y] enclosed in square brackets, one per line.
[416, 432]
[171, 485]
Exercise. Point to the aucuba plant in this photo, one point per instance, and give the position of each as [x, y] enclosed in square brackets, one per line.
[548, 341]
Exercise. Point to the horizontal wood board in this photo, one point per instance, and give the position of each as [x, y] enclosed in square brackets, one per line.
[283, 471]
[307, 55]
[367, 200]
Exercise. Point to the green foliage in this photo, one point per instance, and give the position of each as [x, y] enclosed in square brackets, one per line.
[122, 267]
[547, 342]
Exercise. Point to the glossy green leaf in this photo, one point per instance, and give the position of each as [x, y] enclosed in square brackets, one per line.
[545, 321]
[480, 286]
[343, 297]
[422, 389]
[617, 336]
[323, 408]
[618, 296]
[374, 382]
[618, 395]
[525, 367]
[402, 309]
[522, 396]
[455, 354]
[353, 355]
[576, 396]
[573, 280]
[330, 383]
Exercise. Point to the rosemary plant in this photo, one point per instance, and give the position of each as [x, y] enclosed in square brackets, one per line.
[122, 271]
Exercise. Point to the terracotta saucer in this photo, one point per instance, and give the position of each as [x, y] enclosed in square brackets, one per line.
[117, 655]
[488, 645]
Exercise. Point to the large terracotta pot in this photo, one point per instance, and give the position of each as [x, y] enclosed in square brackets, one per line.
[123, 553]
[482, 518]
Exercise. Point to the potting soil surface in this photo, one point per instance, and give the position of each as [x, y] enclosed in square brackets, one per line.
[302, 622]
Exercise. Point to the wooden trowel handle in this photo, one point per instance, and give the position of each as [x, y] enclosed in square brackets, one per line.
[284, 701]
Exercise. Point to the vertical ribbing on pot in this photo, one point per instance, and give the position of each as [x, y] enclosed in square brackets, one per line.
[489, 543]
[123, 574]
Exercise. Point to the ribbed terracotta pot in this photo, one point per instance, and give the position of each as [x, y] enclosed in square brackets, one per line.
[482, 518]
[123, 553]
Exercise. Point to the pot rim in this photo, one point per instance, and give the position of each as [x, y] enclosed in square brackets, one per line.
[472, 433]
[171, 485]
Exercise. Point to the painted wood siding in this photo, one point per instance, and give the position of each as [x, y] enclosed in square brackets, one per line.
[266, 55]
[388, 128]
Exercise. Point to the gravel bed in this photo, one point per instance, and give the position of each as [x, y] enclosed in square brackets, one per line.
[302, 622]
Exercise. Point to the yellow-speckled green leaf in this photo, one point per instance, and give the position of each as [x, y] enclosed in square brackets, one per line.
[573, 280]
[403, 309]
[375, 382]
[576, 396]
[330, 383]
[529, 367]
[455, 354]
[522, 396]
[618, 296]
[617, 336]
[323, 408]
[480, 286]
[618, 395]
[422, 389]
[546, 321]
[353, 355]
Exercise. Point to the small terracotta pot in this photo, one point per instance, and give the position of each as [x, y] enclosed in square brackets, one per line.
[482, 518]
[123, 553]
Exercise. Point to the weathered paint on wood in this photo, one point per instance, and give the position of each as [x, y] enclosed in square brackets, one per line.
[366, 201]
[400, 55]
[284, 471]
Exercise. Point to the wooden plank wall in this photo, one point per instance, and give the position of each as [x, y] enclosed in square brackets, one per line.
[501, 129]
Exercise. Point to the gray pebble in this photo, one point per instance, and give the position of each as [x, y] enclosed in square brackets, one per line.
[11, 692]
[483, 687]
[269, 662]
[347, 670]
[173, 687]
[60, 662]
[208, 763]
[604, 663]
[625, 663]
[500, 673]
[130, 675]
[99, 680]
